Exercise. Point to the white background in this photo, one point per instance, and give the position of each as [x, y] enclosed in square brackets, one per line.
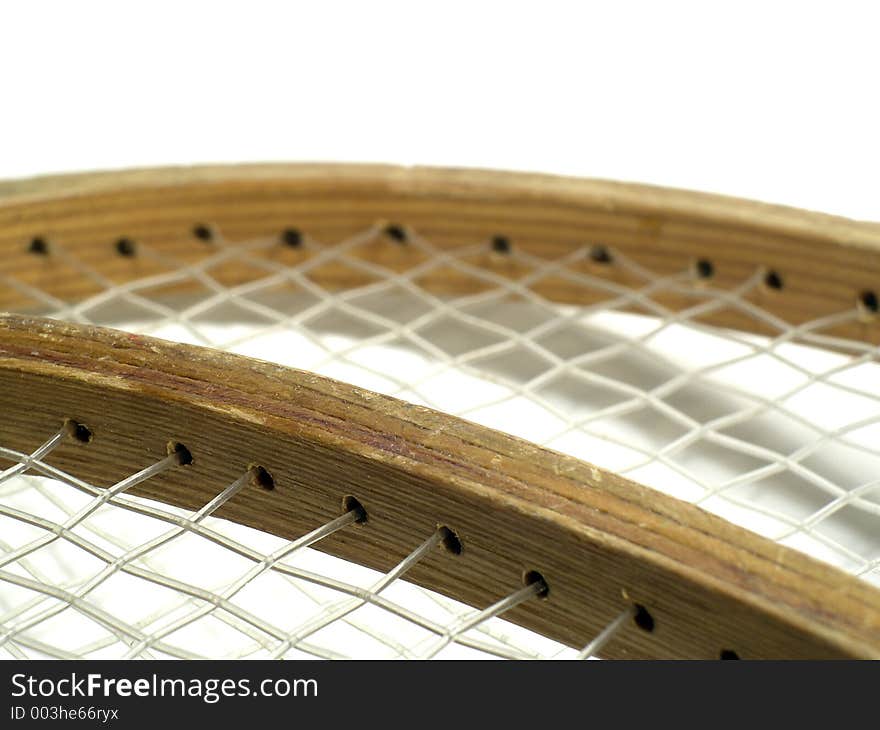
[775, 101]
[771, 100]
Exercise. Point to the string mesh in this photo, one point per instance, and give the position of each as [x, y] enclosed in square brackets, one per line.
[777, 433]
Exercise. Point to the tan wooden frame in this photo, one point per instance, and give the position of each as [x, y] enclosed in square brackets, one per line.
[601, 542]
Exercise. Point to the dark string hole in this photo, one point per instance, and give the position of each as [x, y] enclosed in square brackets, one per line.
[773, 280]
[38, 246]
[532, 577]
[705, 269]
[202, 232]
[260, 477]
[600, 254]
[350, 504]
[450, 540]
[292, 237]
[728, 654]
[397, 232]
[643, 619]
[869, 301]
[126, 247]
[184, 456]
[78, 431]
[501, 244]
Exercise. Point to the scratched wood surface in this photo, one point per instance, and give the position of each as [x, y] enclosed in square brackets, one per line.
[825, 264]
[600, 541]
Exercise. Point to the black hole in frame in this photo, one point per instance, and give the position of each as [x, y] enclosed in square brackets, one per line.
[350, 504]
[600, 254]
[184, 455]
[202, 232]
[869, 301]
[397, 232]
[773, 280]
[705, 269]
[728, 654]
[260, 477]
[78, 431]
[450, 540]
[643, 619]
[126, 247]
[292, 237]
[38, 246]
[501, 244]
[532, 577]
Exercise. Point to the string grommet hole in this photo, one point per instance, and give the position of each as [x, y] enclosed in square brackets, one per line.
[78, 431]
[292, 237]
[38, 246]
[600, 254]
[184, 455]
[396, 232]
[643, 618]
[202, 232]
[126, 247]
[450, 540]
[501, 244]
[772, 280]
[351, 504]
[260, 477]
[869, 302]
[728, 654]
[533, 577]
[704, 269]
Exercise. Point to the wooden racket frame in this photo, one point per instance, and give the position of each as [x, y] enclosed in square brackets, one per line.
[601, 542]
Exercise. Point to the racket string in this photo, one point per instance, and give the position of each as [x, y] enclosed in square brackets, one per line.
[559, 375]
[199, 603]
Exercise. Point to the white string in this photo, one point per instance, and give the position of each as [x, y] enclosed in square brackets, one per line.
[214, 600]
[776, 433]
[597, 644]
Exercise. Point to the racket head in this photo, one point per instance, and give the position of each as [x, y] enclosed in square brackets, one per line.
[600, 542]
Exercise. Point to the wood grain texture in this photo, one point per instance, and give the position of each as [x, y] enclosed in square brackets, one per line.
[825, 263]
[600, 541]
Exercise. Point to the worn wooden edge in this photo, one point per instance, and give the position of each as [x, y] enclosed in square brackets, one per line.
[825, 264]
[600, 541]
[478, 184]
